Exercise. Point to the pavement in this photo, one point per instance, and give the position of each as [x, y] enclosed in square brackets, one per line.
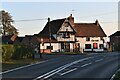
[94, 66]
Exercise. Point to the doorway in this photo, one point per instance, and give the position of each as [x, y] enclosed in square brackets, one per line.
[95, 46]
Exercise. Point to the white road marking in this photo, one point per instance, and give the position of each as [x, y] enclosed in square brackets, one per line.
[22, 67]
[51, 73]
[86, 64]
[98, 60]
[54, 73]
[68, 71]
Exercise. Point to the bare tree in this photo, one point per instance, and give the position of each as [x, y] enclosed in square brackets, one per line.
[6, 27]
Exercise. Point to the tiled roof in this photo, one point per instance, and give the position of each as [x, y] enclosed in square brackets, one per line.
[6, 38]
[9, 38]
[20, 39]
[81, 29]
[55, 26]
[115, 34]
[89, 30]
[46, 39]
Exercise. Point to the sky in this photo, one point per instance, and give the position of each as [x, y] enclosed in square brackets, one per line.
[87, 12]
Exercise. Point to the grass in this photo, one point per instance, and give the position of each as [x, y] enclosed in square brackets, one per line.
[7, 65]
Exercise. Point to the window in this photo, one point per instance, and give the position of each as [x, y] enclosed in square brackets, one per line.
[87, 46]
[101, 38]
[79, 45]
[66, 24]
[66, 35]
[95, 45]
[76, 39]
[101, 46]
[62, 45]
[66, 29]
[59, 35]
[48, 47]
[87, 38]
[63, 35]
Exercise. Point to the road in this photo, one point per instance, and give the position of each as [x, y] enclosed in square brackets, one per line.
[93, 66]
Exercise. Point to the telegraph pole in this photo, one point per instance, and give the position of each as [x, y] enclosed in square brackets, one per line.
[39, 48]
[49, 33]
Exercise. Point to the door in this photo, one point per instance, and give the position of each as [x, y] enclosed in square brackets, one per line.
[77, 47]
[95, 46]
[67, 47]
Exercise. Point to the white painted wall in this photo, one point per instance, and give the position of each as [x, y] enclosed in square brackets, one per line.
[71, 47]
[56, 46]
[105, 44]
[72, 38]
[82, 41]
[63, 28]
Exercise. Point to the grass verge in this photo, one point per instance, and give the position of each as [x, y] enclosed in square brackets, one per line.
[65, 53]
[117, 76]
[7, 65]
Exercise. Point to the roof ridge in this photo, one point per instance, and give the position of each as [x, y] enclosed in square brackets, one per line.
[117, 33]
[84, 23]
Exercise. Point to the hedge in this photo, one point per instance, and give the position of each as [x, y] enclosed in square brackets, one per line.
[7, 51]
[10, 51]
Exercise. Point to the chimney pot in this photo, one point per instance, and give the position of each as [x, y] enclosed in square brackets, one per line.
[71, 20]
[97, 23]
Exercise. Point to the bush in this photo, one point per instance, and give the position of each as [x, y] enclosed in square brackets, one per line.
[7, 51]
[22, 52]
[16, 52]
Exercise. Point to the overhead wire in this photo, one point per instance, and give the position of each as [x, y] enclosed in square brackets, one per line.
[31, 20]
[102, 14]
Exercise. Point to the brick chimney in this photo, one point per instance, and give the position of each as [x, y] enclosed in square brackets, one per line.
[71, 20]
[96, 22]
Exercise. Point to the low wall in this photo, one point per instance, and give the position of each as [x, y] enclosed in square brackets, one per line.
[45, 51]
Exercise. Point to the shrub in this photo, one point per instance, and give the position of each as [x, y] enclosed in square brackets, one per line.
[22, 51]
[16, 52]
[7, 51]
